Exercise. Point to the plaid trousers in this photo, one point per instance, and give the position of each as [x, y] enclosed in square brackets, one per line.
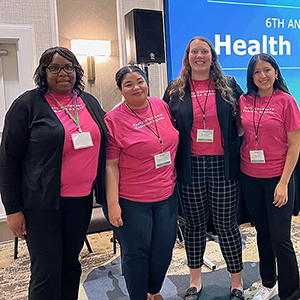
[210, 194]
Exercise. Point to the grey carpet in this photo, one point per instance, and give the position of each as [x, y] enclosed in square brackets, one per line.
[107, 283]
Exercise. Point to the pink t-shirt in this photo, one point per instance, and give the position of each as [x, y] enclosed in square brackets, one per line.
[135, 146]
[280, 117]
[212, 122]
[79, 167]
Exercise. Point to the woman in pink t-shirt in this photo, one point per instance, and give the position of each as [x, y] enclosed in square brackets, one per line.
[52, 159]
[203, 101]
[141, 201]
[270, 121]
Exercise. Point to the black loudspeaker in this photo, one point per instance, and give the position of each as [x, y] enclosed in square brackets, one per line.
[144, 36]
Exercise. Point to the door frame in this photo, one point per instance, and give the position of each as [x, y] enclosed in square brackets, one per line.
[26, 56]
[23, 37]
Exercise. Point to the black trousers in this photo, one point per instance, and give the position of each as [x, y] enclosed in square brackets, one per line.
[273, 226]
[55, 239]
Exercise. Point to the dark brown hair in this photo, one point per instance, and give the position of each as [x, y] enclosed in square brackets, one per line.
[120, 75]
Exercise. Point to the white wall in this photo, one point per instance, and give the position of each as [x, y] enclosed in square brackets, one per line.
[40, 14]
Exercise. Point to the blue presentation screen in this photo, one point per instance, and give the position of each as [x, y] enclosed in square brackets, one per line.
[238, 30]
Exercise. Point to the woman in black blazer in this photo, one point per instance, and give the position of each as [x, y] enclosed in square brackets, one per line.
[203, 101]
[52, 159]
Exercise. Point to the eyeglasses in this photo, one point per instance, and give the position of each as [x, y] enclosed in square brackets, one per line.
[56, 69]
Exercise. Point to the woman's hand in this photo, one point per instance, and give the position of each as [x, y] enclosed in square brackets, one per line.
[241, 131]
[16, 223]
[115, 213]
[112, 192]
[280, 194]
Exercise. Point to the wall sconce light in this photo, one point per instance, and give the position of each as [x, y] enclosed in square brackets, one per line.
[91, 48]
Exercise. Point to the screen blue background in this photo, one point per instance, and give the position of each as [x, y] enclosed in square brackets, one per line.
[243, 19]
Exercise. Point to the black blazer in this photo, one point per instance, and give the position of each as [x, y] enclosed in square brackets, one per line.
[31, 153]
[182, 111]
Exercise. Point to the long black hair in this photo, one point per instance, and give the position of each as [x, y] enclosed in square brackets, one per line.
[40, 76]
[279, 82]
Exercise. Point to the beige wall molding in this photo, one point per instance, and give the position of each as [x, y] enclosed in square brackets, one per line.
[54, 26]
[23, 34]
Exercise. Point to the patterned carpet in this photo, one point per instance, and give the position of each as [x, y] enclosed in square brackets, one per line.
[14, 274]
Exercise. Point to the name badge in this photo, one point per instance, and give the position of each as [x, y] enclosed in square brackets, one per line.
[82, 140]
[205, 135]
[257, 156]
[162, 159]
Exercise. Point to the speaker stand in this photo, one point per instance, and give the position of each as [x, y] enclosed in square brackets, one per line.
[145, 68]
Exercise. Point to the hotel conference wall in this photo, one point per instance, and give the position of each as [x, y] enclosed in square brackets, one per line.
[91, 19]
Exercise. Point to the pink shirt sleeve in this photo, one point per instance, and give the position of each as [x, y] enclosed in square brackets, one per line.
[291, 115]
[113, 149]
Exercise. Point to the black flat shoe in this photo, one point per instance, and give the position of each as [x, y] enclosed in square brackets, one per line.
[192, 294]
[236, 295]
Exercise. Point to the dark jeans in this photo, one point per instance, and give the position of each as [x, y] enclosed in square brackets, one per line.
[55, 239]
[147, 239]
[273, 226]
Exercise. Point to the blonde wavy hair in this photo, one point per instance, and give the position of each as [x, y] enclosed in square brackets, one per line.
[219, 79]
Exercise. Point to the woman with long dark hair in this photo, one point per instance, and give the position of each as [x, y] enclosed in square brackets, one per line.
[270, 121]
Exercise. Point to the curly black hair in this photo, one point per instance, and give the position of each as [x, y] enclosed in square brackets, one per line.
[40, 76]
